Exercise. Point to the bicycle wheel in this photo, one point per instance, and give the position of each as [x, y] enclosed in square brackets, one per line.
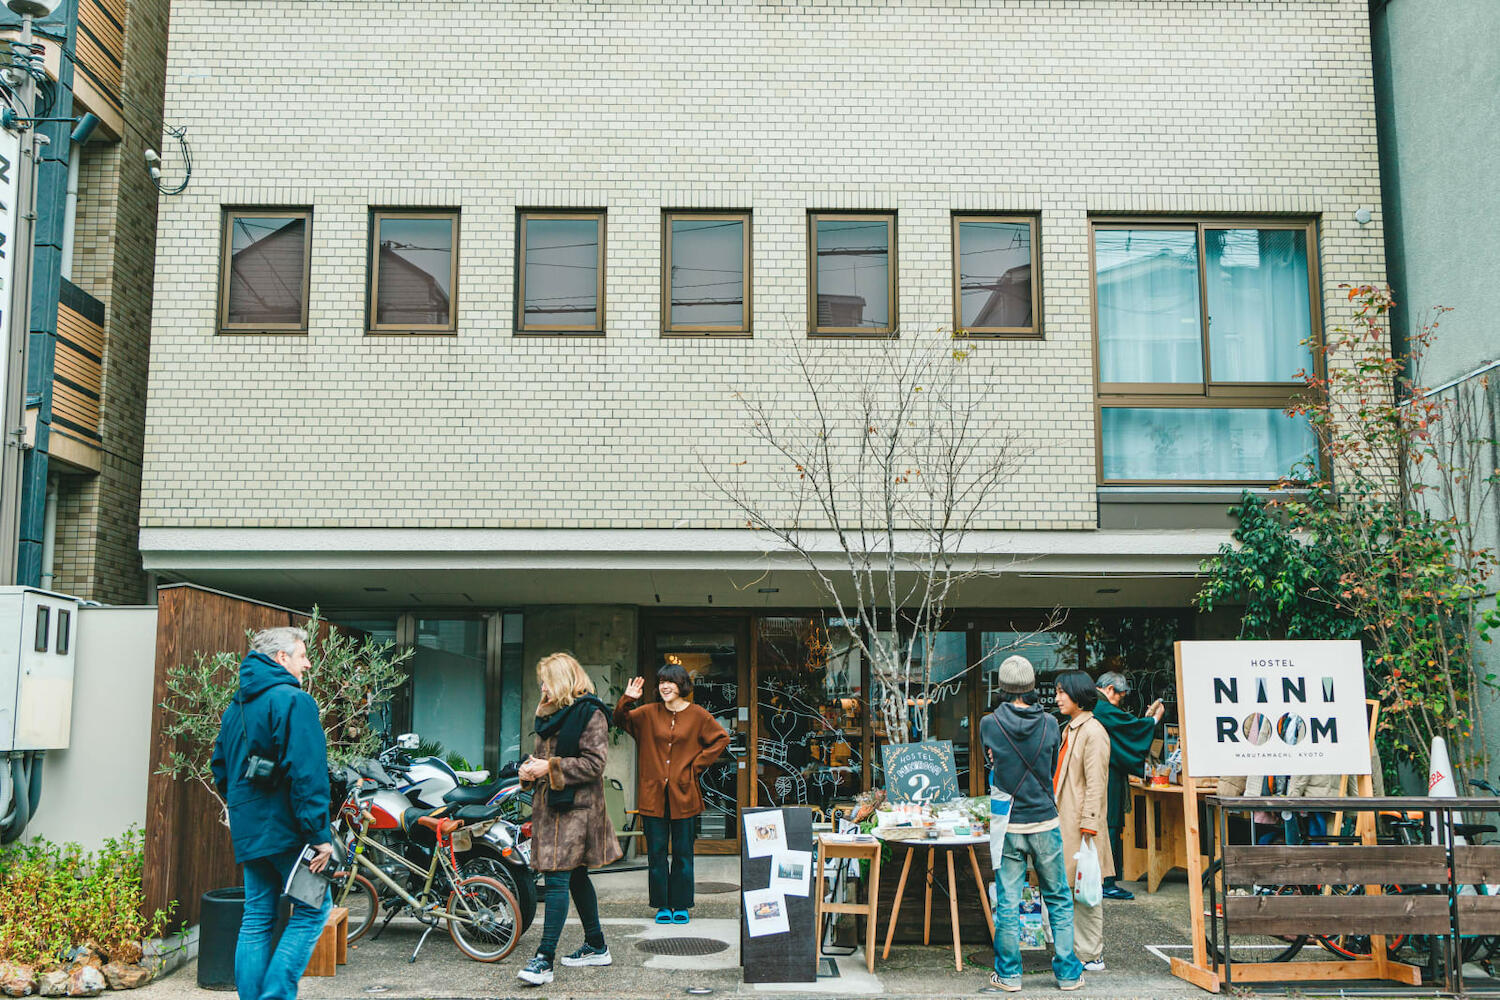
[356, 894]
[1358, 945]
[483, 922]
[1244, 948]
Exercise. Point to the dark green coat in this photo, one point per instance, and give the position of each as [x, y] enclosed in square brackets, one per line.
[1129, 744]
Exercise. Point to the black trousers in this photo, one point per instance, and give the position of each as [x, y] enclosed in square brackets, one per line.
[670, 884]
[559, 886]
[1115, 840]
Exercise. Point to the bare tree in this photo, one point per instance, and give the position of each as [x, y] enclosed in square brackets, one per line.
[878, 472]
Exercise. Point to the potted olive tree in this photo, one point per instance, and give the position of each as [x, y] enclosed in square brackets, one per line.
[351, 677]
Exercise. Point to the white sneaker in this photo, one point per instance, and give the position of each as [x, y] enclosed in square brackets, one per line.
[1097, 965]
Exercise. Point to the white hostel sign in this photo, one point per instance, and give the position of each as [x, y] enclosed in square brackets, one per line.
[1274, 707]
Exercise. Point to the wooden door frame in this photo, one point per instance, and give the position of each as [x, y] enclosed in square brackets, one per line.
[654, 622]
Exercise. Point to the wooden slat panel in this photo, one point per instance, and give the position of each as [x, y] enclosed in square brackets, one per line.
[1340, 865]
[1478, 914]
[109, 34]
[81, 331]
[78, 368]
[1404, 914]
[75, 407]
[116, 8]
[1476, 865]
[92, 57]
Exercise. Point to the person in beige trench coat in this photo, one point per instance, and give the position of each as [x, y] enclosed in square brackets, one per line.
[1081, 785]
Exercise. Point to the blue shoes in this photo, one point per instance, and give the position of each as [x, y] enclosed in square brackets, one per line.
[679, 917]
[664, 916]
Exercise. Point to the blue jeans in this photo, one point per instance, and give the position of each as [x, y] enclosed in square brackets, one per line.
[1045, 851]
[670, 886]
[265, 969]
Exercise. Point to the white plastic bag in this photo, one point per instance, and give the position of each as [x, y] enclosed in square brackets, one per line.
[1088, 884]
[1000, 803]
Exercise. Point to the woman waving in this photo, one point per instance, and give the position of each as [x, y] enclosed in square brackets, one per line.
[675, 741]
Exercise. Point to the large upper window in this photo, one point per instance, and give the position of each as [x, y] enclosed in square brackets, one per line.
[852, 273]
[560, 272]
[706, 272]
[413, 272]
[996, 276]
[1204, 331]
[264, 270]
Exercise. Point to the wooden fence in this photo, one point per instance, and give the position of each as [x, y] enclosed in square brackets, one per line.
[187, 844]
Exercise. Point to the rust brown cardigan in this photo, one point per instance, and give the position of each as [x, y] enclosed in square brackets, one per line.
[583, 835]
[673, 749]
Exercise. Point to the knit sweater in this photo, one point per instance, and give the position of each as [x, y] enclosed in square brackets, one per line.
[673, 749]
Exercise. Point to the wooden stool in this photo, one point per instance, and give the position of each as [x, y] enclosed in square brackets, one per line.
[332, 949]
[864, 852]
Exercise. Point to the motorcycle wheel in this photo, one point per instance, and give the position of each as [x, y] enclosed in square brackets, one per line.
[482, 859]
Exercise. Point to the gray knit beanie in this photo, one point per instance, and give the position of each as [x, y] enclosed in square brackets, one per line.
[1016, 675]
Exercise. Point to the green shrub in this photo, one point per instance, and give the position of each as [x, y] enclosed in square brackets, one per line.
[54, 898]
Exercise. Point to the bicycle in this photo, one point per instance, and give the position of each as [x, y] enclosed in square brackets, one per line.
[481, 913]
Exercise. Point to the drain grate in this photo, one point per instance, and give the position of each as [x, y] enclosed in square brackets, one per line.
[709, 888]
[682, 946]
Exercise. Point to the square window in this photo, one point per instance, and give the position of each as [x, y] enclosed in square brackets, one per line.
[706, 272]
[996, 277]
[264, 266]
[560, 272]
[413, 272]
[852, 273]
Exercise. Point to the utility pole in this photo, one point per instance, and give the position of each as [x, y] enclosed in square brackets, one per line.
[18, 190]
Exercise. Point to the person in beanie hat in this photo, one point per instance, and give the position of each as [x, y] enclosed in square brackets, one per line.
[1020, 746]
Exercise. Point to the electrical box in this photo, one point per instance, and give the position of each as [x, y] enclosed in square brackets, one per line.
[38, 633]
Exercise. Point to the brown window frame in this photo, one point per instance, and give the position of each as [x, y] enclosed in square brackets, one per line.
[668, 329]
[1208, 394]
[522, 328]
[894, 323]
[226, 216]
[1033, 332]
[372, 282]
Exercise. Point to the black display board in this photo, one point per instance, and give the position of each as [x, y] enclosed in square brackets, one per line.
[920, 772]
[779, 958]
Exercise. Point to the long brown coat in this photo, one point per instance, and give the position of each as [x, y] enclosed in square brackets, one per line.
[583, 835]
[1082, 790]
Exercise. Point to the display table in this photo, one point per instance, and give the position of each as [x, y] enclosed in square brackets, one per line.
[830, 846]
[947, 846]
[1161, 842]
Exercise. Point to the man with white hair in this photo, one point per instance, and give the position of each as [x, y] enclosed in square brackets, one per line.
[1130, 739]
[270, 764]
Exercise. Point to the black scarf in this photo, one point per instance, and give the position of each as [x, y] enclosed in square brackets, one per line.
[568, 724]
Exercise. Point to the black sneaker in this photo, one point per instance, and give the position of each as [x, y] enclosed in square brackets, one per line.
[537, 972]
[588, 955]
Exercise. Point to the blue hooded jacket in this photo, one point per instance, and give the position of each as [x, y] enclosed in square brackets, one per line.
[281, 723]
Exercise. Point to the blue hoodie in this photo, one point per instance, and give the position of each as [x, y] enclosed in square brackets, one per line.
[281, 721]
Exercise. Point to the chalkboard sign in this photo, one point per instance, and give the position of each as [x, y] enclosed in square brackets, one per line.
[776, 853]
[920, 772]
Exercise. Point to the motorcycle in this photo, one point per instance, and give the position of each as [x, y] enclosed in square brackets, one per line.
[432, 782]
[501, 852]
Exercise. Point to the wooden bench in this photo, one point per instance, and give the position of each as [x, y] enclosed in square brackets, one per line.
[332, 949]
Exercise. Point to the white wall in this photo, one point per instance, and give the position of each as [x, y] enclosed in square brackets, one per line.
[97, 787]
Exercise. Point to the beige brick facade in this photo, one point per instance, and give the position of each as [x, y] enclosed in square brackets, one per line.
[1069, 108]
[114, 247]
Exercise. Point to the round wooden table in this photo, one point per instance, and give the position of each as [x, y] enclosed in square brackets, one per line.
[947, 845]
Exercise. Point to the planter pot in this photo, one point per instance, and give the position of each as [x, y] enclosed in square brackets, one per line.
[219, 920]
[218, 933]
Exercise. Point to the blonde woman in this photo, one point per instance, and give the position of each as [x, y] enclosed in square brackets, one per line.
[1081, 785]
[570, 828]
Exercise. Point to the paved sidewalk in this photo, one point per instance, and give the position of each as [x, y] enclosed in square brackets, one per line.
[1140, 934]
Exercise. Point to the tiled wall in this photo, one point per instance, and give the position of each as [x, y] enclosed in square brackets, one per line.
[1066, 108]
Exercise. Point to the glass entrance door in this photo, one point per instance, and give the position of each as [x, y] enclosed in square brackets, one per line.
[711, 649]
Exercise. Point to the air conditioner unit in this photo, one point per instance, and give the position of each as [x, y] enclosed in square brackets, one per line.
[38, 630]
